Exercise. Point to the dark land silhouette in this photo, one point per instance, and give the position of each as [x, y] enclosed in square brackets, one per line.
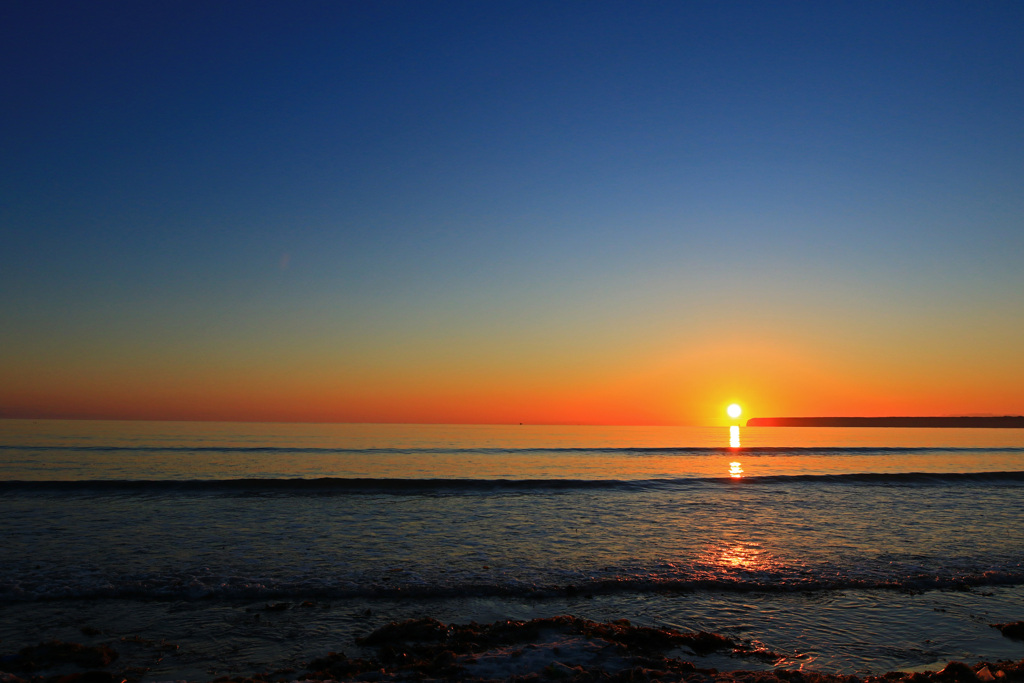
[1002, 422]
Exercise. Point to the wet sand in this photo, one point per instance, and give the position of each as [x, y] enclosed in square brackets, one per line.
[562, 648]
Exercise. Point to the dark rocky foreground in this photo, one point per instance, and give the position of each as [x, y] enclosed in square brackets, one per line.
[563, 648]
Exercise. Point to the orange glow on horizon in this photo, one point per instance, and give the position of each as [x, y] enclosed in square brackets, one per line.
[671, 385]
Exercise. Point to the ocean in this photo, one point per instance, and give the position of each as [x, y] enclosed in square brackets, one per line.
[208, 549]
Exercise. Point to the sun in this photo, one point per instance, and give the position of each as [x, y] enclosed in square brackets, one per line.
[734, 410]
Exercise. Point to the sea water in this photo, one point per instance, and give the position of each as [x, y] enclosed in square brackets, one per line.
[255, 546]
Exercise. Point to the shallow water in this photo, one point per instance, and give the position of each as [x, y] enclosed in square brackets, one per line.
[849, 550]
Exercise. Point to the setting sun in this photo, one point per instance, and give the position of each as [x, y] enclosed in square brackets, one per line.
[734, 410]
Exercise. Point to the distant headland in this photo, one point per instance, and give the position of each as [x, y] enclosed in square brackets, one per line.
[1003, 422]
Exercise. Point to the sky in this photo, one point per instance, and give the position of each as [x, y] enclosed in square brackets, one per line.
[502, 212]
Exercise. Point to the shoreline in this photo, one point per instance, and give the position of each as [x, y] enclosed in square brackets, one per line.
[208, 639]
[554, 648]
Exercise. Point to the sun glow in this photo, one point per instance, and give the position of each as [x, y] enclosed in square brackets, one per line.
[734, 410]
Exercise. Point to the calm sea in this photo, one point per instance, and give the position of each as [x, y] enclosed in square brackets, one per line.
[849, 550]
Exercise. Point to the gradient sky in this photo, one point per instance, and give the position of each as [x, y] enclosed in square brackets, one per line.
[557, 212]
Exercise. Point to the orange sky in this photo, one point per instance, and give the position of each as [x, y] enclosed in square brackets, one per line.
[643, 381]
[428, 213]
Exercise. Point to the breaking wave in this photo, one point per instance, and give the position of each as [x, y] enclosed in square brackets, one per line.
[202, 585]
[331, 485]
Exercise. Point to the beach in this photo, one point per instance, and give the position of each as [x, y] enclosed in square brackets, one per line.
[556, 648]
[199, 551]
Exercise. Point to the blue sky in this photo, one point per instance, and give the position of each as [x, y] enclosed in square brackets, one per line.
[385, 185]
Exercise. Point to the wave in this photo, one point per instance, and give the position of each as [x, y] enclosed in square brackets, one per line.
[331, 485]
[640, 451]
[193, 587]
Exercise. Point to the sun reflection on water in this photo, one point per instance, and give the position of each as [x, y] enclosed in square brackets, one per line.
[734, 436]
[726, 558]
[738, 556]
[735, 471]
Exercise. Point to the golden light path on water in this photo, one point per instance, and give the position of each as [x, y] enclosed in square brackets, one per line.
[734, 411]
